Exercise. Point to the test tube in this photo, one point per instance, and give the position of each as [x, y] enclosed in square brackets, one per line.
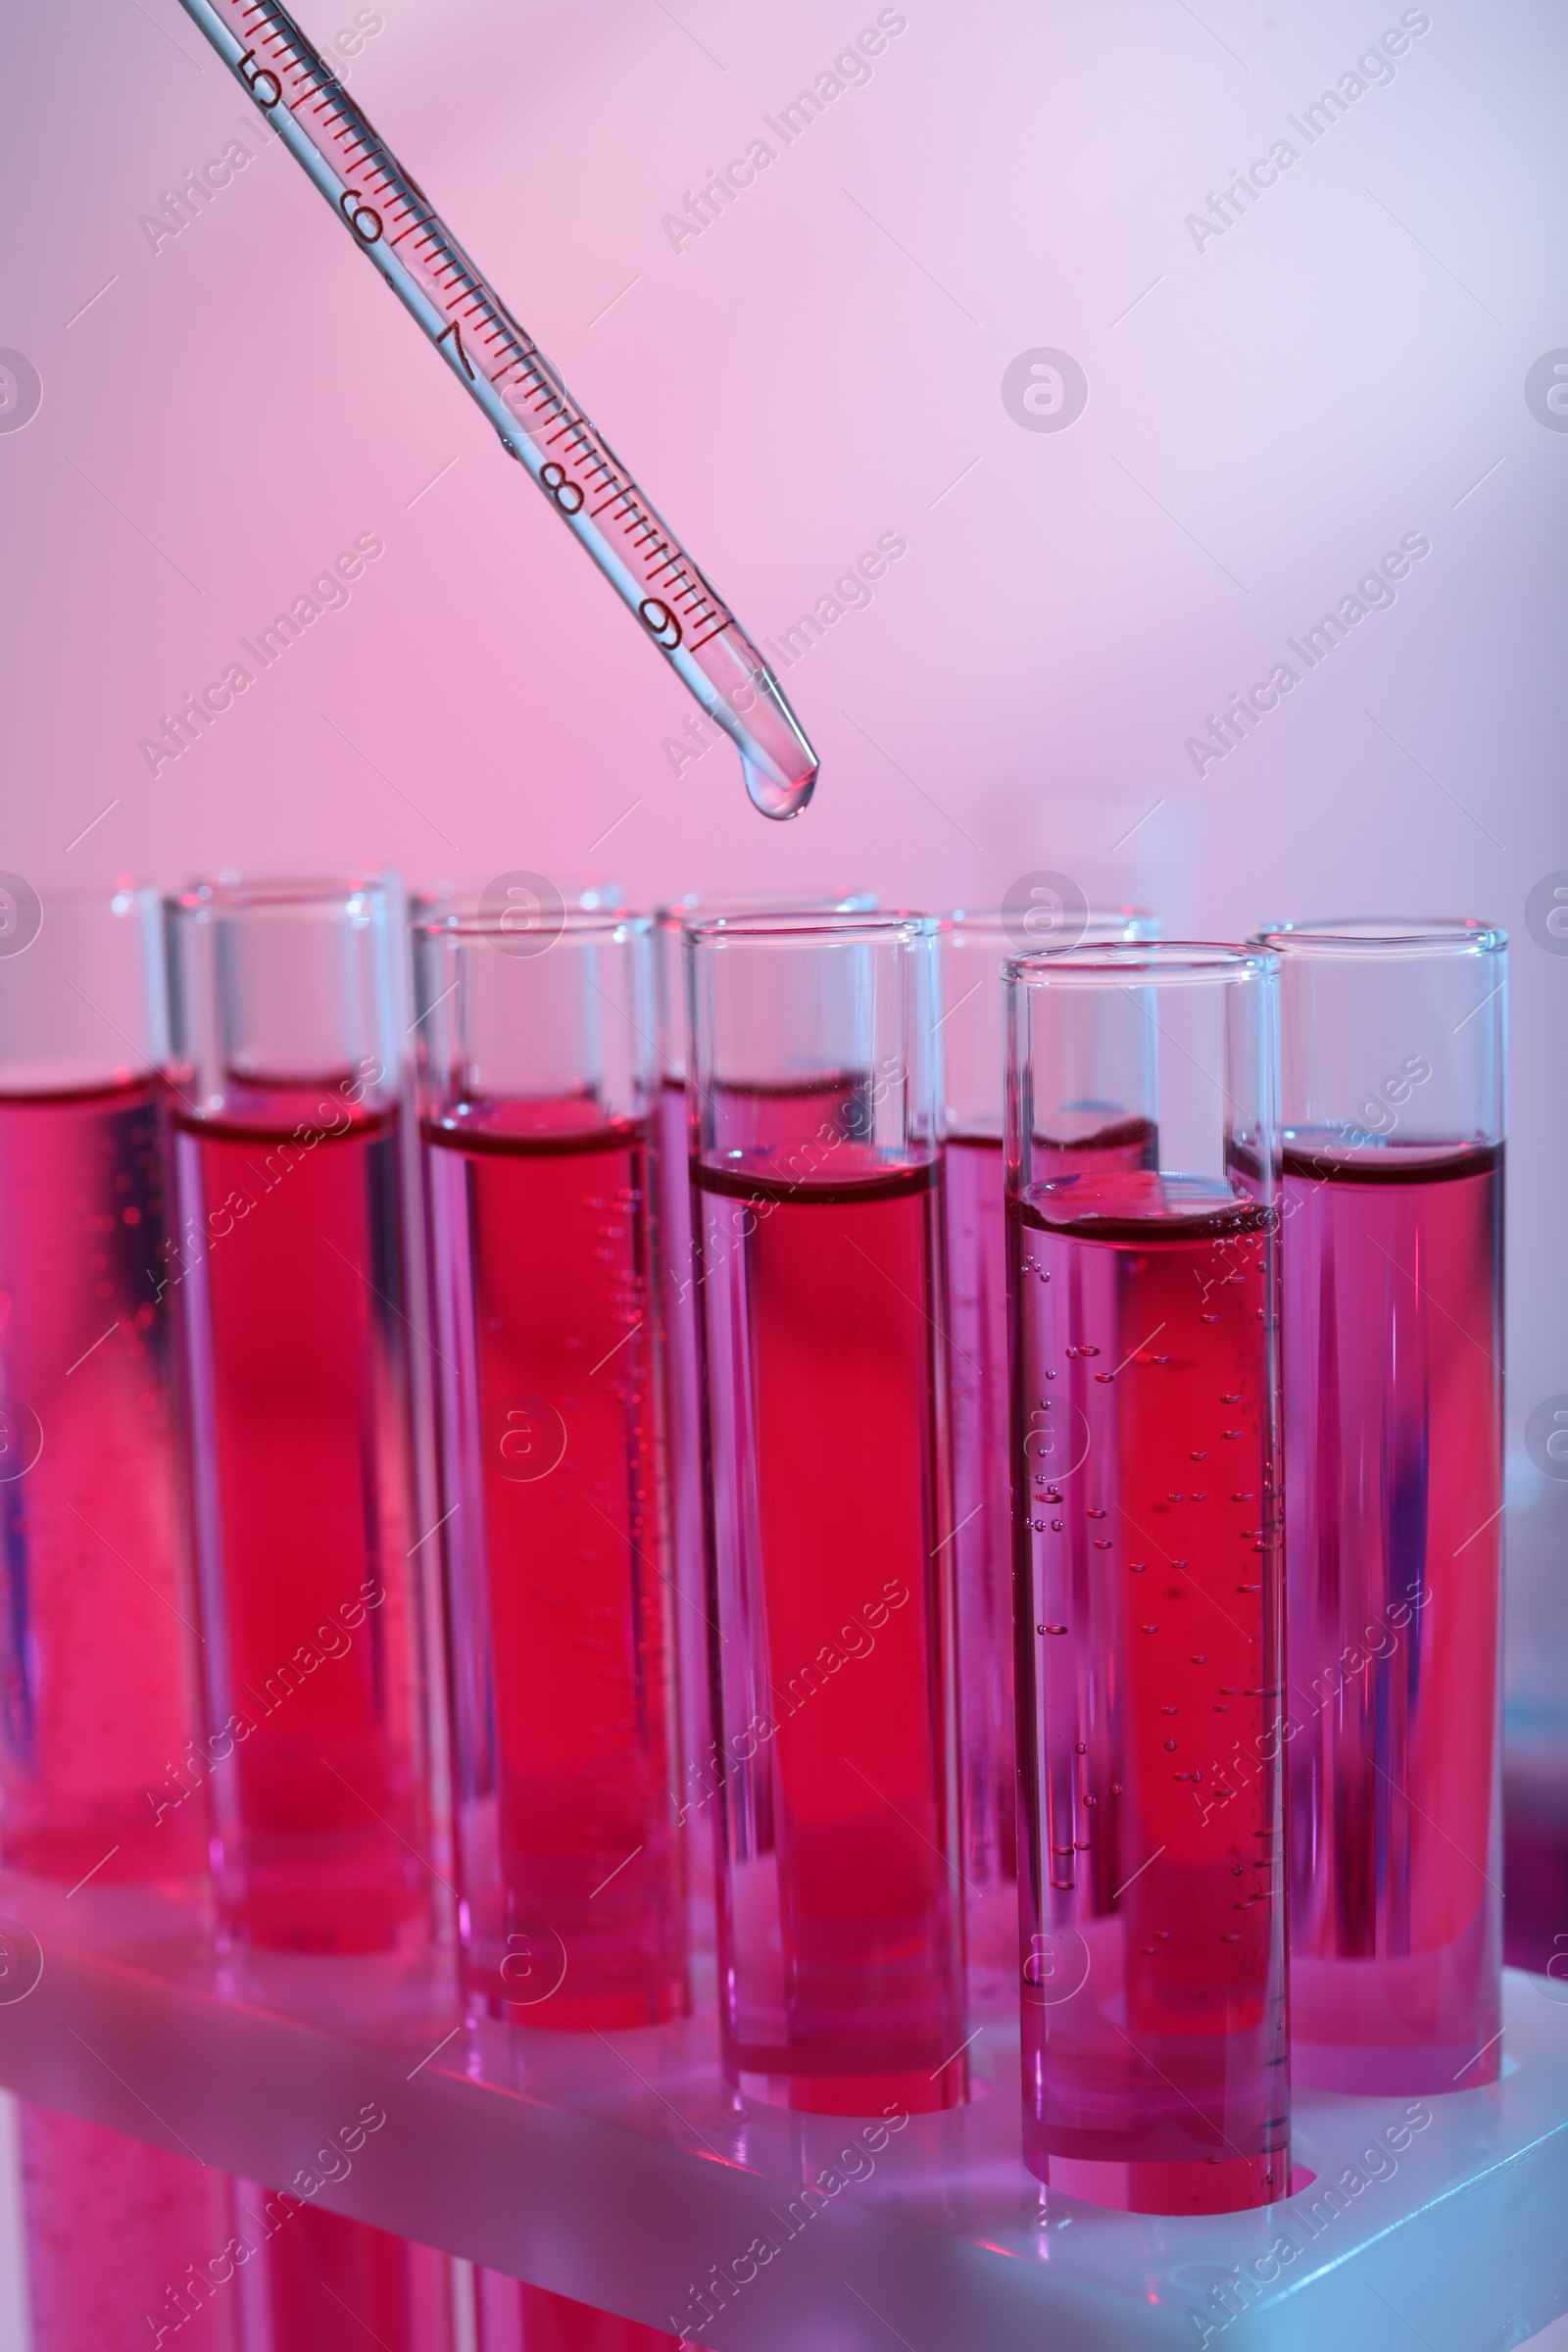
[537, 1070]
[97, 1682]
[1391, 1244]
[974, 949]
[816, 1169]
[125, 2243]
[1148, 1578]
[289, 1271]
[513, 2317]
[318, 2281]
[679, 1307]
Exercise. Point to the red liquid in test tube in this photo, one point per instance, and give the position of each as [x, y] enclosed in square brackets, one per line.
[125, 2243]
[97, 1685]
[819, 1205]
[513, 2317]
[546, 1229]
[1405, 1365]
[320, 2281]
[299, 1404]
[677, 1278]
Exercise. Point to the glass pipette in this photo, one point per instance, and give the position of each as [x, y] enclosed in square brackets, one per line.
[539, 422]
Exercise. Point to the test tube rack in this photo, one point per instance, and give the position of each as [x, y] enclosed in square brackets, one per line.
[620, 2169]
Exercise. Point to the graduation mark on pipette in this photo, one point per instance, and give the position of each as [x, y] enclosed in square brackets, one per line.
[502, 369]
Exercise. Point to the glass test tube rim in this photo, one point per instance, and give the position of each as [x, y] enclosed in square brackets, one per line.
[810, 928]
[1155, 962]
[691, 906]
[212, 894]
[466, 895]
[1383, 935]
[612, 923]
[1140, 923]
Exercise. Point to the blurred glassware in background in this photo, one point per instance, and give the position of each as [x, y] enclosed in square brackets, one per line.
[1535, 1753]
[974, 949]
[97, 1694]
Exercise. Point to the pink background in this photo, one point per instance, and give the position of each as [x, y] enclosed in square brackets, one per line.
[821, 365]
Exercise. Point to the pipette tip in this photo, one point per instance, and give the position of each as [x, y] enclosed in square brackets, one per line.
[774, 796]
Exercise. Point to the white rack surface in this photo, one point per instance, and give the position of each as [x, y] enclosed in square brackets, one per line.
[622, 2171]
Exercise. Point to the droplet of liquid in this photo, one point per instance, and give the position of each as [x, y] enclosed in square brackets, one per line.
[773, 794]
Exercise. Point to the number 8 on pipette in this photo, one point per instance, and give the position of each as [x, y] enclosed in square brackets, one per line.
[390, 216]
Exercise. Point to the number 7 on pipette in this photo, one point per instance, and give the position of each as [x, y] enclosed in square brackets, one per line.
[392, 219]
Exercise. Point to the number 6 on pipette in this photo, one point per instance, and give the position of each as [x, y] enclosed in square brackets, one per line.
[498, 364]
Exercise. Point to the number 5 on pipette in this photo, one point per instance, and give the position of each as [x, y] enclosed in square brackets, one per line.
[389, 215]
